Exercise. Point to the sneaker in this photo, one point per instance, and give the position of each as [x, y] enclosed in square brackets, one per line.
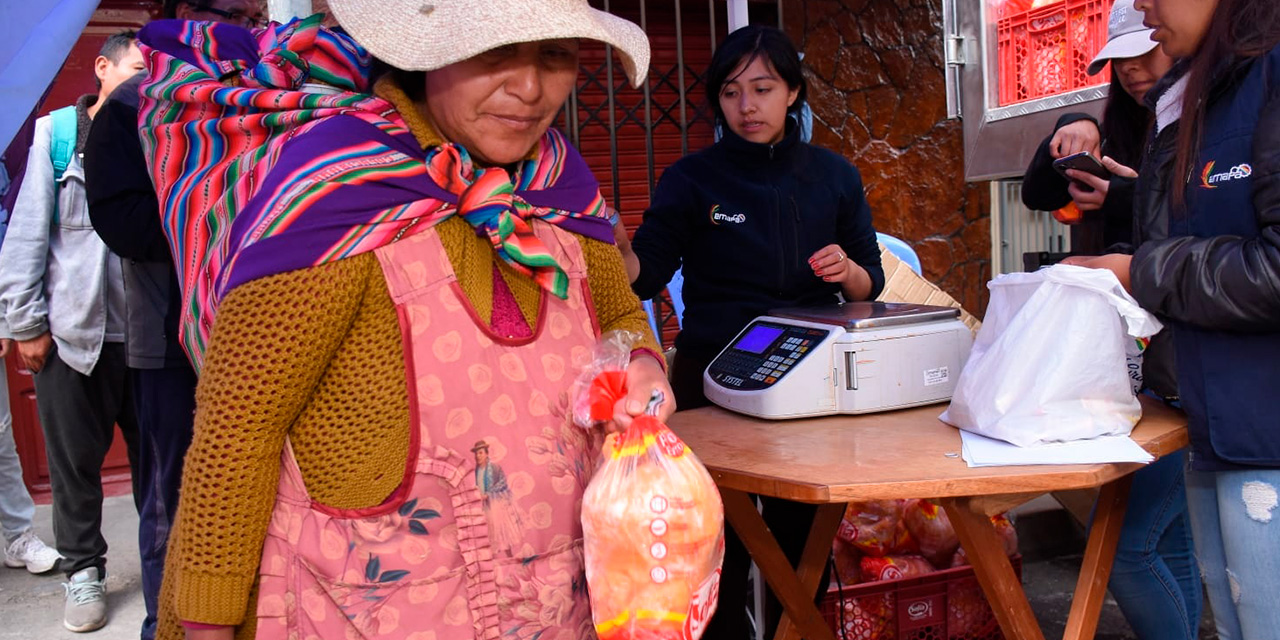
[30, 551]
[86, 608]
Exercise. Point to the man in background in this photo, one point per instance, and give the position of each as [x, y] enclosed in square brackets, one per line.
[62, 296]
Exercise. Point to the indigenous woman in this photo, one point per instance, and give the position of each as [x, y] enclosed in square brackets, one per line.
[397, 272]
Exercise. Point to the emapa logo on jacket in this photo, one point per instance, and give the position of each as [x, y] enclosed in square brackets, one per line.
[718, 216]
[1210, 180]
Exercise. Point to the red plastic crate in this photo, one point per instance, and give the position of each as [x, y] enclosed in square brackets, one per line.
[946, 605]
[1046, 51]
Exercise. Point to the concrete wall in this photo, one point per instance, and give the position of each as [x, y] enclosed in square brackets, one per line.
[876, 86]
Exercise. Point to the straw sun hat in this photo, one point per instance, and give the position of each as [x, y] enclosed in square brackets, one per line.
[423, 35]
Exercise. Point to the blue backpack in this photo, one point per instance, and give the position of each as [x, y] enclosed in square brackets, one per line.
[62, 145]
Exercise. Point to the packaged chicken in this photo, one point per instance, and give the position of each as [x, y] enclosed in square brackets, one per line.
[1008, 539]
[876, 528]
[653, 526]
[932, 531]
[847, 559]
[894, 567]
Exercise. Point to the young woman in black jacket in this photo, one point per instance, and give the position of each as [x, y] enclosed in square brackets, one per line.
[758, 220]
[1207, 261]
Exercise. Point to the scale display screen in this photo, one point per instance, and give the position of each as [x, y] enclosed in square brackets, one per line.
[758, 338]
[763, 354]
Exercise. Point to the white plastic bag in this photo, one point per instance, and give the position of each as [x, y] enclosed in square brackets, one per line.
[1049, 364]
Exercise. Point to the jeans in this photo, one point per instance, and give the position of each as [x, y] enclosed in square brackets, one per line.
[1238, 548]
[16, 507]
[165, 400]
[1154, 578]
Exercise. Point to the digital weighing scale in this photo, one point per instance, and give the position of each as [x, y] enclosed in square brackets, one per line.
[856, 357]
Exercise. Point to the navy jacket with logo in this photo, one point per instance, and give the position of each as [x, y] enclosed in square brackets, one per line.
[1212, 272]
[742, 219]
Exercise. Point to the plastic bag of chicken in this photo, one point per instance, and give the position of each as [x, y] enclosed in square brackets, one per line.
[652, 520]
[931, 529]
[876, 528]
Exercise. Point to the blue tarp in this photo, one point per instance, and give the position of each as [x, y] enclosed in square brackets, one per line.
[35, 38]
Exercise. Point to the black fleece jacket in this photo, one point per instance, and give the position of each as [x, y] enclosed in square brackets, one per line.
[124, 211]
[742, 220]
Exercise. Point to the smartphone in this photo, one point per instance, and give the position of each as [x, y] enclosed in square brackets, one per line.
[1082, 162]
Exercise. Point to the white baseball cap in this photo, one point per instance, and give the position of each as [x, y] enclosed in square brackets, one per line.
[1127, 37]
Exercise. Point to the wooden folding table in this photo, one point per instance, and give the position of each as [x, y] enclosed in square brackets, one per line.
[905, 454]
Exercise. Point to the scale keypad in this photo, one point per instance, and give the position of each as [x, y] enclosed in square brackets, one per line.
[736, 368]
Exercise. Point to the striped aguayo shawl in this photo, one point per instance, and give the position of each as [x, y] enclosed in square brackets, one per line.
[269, 155]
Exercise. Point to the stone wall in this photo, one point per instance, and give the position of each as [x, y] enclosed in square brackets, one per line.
[876, 86]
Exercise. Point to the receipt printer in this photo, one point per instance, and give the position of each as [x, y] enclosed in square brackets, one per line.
[856, 357]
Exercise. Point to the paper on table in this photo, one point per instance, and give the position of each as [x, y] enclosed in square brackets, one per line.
[980, 451]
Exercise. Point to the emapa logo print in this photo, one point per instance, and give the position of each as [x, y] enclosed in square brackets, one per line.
[1211, 180]
[718, 216]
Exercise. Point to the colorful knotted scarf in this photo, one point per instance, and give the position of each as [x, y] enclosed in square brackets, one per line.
[269, 155]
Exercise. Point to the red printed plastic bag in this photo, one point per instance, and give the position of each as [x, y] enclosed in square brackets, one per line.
[894, 567]
[847, 563]
[932, 531]
[876, 528]
[653, 526]
[1008, 539]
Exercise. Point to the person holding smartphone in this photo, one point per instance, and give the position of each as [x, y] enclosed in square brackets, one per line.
[1154, 578]
[1106, 203]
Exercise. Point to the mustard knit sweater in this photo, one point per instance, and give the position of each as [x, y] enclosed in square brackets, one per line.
[309, 354]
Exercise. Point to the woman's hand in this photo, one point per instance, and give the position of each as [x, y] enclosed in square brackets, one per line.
[1118, 169]
[644, 376]
[832, 265]
[1081, 135]
[1088, 191]
[1117, 263]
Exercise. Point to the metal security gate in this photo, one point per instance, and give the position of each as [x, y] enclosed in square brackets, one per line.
[1019, 230]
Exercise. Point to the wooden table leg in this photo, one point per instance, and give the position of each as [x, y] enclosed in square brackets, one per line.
[814, 559]
[1099, 552]
[741, 512]
[994, 571]
[1078, 502]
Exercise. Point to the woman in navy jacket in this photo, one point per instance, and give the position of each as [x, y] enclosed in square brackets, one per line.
[1207, 261]
[759, 220]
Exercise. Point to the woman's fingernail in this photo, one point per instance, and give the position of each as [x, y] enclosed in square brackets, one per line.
[634, 407]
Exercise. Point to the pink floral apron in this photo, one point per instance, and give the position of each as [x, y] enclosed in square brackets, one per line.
[483, 539]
